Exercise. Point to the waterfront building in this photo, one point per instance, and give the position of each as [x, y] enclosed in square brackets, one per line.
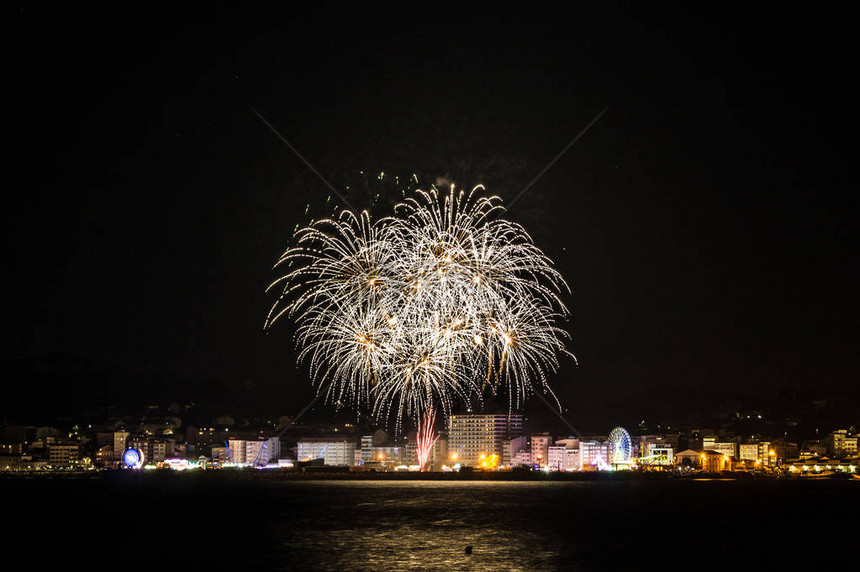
[273, 449]
[220, 455]
[161, 450]
[783, 451]
[564, 455]
[688, 457]
[236, 451]
[142, 443]
[572, 459]
[824, 465]
[63, 454]
[247, 451]
[727, 448]
[370, 443]
[10, 462]
[522, 457]
[262, 452]
[120, 440]
[754, 453]
[812, 448]
[438, 454]
[556, 457]
[256, 452]
[471, 435]
[765, 450]
[185, 450]
[366, 451]
[748, 452]
[593, 455]
[510, 448]
[841, 442]
[714, 462]
[104, 456]
[410, 452]
[333, 451]
[540, 443]
[390, 454]
[437, 457]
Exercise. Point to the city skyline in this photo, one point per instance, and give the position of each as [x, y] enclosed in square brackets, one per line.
[480, 442]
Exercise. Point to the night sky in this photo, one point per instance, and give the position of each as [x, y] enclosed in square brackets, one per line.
[706, 223]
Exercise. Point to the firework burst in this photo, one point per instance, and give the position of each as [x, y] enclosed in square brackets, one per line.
[436, 305]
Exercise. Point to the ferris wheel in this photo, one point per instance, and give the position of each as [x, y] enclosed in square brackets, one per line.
[621, 446]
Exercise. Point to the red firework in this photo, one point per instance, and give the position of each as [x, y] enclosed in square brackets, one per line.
[426, 437]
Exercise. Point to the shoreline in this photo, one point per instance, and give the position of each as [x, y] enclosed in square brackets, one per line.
[402, 476]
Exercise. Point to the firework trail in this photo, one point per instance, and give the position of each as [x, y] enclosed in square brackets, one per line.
[438, 304]
[426, 438]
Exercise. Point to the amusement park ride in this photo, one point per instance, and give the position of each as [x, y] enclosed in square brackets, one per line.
[621, 449]
[621, 453]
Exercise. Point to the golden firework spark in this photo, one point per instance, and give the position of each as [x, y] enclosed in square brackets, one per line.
[436, 304]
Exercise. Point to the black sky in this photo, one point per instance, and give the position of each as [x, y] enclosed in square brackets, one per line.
[707, 222]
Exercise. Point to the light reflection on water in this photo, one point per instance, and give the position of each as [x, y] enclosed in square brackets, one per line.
[220, 521]
[580, 526]
[424, 526]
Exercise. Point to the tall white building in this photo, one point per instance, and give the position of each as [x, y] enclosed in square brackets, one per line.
[273, 450]
[236, 450]
[260, 452]
[366, 454]
[256, 452]
[338, 452]
[470, 436]
[754, 452]
[540, 449]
